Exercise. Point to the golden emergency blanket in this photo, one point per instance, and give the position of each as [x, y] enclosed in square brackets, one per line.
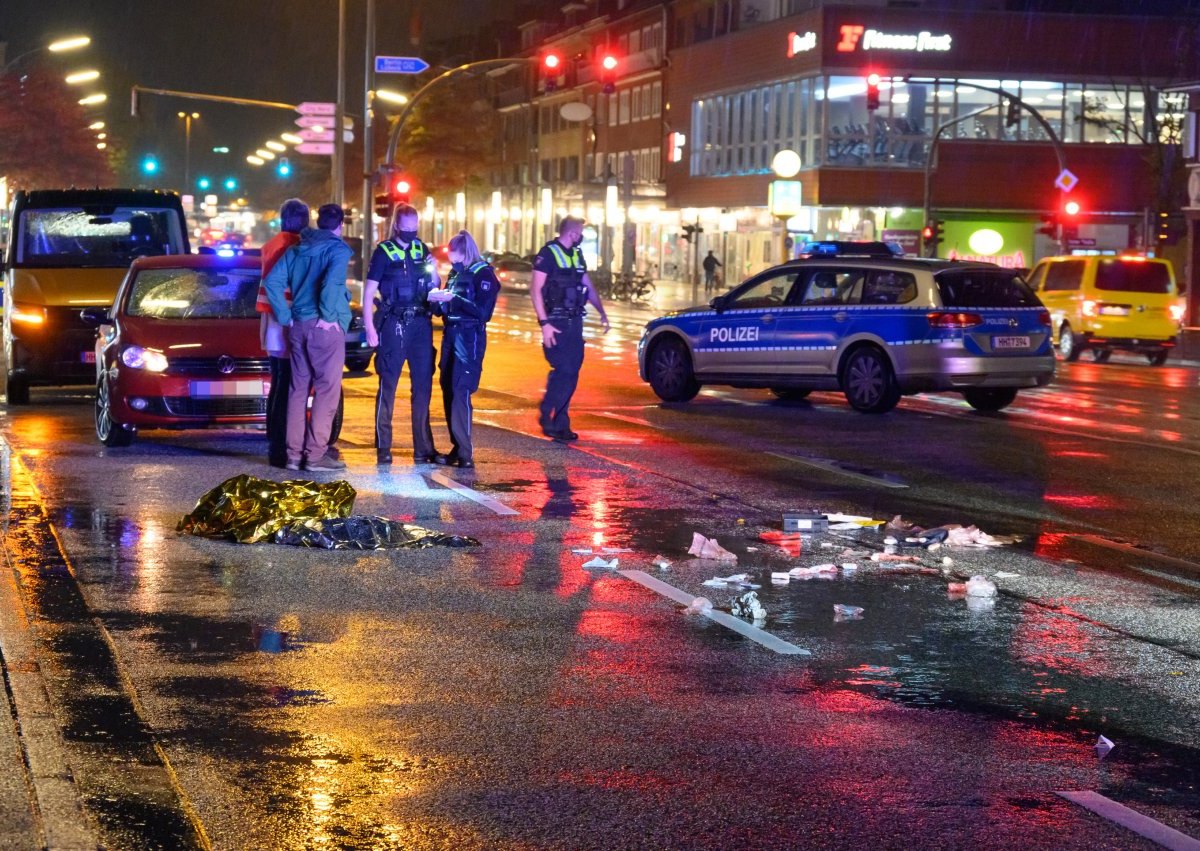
[249, 510]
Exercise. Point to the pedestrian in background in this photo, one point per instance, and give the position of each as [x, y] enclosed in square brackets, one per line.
[711, 264]
[316, 321]
[467, 304]
[402, 272]
[561, 290]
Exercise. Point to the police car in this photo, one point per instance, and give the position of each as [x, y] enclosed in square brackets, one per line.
[874, 326]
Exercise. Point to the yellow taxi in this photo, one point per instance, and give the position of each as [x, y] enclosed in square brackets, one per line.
[1105, 303]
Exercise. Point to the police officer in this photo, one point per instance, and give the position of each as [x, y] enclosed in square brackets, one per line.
[402, 272]
[467, 304]
[561, 291]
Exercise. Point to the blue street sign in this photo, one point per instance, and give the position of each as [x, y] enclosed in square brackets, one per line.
[400, 65]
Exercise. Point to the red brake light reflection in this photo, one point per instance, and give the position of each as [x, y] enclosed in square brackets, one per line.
[1044, 318]
[941, 319]
[1177, 311]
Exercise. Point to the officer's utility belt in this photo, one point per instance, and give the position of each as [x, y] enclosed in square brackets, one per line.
[562, 313]
[463, 323]
[404, 314]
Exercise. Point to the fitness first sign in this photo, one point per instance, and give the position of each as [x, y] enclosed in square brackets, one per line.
[853, 38]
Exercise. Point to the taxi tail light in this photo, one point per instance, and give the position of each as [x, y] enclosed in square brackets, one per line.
[502, 275]
[1177, 311]
[1089, 307]
[945, 319]
[28, 314]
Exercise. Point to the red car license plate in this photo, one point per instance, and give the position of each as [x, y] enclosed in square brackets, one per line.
[87, 357]
[249, 387]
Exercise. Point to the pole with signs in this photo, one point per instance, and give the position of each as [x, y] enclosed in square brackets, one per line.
[368, 206]
[339, 155]
[785, 199]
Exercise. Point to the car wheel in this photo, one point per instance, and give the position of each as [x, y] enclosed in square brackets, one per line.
[1156, 358]
[869, 383]
[990, 398]
[1101, 355]
[108, 431]
[790, 394]
[1068, 345]
[670, 372]
[358, 364]
[18, 390]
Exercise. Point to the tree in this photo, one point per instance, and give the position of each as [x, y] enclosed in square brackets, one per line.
[44, 138]
[448, 143]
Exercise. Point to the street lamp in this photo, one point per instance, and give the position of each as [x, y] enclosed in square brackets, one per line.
[291, 138]
[92, 100]
[187, 144]
[391, 97]
[784, 195]
[54, 47]
[82, 77]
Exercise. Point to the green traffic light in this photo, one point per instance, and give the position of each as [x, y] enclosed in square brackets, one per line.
[203, 183]
[150, 165]
[231, 184]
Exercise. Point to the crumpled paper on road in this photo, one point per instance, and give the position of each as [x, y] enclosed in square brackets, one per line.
[703, 547]
[361, 532]
[248, 509]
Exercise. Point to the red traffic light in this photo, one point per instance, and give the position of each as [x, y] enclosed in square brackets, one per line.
[609, 62]
[403, 187]
[551, 61]
[1072, 208]
[927, 232]
[873, 79]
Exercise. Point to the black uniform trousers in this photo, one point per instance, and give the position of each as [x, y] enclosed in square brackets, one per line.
[403, 341]
[565, 358]
[281, 380]
[460, 367]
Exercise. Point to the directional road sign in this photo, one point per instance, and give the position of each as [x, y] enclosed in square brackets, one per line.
[324, 135]
[400, 65]
[316, 108]
[320, 148]
[323, 121]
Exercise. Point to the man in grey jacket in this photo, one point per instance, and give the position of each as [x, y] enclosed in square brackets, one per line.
[316, 323]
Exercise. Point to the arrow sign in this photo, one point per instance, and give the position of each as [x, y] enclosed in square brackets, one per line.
[400, 65]
[323, 121]
[324, 136]
[320, 148]
[316, 108]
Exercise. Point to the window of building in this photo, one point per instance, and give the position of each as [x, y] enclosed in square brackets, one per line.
[1106, 114]
[636, 103]
[635, 42]
[623, 106]
[656, 99]
[572, 170]
[611, 106]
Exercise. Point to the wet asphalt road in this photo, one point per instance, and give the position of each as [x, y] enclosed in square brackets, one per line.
[211, 694]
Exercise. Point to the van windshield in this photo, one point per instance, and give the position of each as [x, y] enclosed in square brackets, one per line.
[1133, 276]
[111, 238]
[984, 288]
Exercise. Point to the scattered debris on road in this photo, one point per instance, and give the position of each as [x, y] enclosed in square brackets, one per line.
[600, 564]
[1103, 746]
[703, 547]
[748, 606]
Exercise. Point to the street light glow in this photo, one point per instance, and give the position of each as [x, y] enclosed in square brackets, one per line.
[101, 136]
[253, 160]
[265, 154]
[291, 138]
[73, 43]
[102, 145]
[185, 115]
[276, 146]
[96, 125]
[82, 77]
[220, 149]
[317, 128]
[91, 100]
[389, 96]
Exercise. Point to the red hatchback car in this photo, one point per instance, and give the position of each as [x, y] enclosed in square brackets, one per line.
[179, 348]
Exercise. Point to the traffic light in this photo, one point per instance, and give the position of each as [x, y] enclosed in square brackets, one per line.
[150, 164]
[231, 184]
[931, 236]
[384, 206]
[1049, 225]
[692, 232]
[1070, 219]
[1012, 116]
[283, 168]
[872, 92]
[203, 184]
[608, 72]
[401, 190]
[552, 66]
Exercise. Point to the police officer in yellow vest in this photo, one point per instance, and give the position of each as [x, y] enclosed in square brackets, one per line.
[561, 291]
[402, 272]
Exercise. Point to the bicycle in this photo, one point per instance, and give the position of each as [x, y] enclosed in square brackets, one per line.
[632, 287]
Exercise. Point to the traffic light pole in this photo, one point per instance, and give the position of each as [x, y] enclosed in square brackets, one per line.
[368, 200]
[1058, 148]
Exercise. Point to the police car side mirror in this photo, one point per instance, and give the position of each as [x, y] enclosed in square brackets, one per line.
[717, 304]
[95, 316]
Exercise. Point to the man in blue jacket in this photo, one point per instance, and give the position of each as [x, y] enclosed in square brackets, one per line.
[316, 323]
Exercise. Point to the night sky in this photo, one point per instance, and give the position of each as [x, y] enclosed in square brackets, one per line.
[277, 50]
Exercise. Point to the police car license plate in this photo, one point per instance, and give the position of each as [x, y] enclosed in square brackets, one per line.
[254, 387]
[1010, 343]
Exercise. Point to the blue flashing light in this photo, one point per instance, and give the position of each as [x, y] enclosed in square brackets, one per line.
[150, 165]
[225, 252]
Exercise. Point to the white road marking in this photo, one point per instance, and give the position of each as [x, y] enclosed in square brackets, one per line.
[1129, 549]
[633, 420]
[832, 467]
[472, 494]
[1142, 825]
[739, 626]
